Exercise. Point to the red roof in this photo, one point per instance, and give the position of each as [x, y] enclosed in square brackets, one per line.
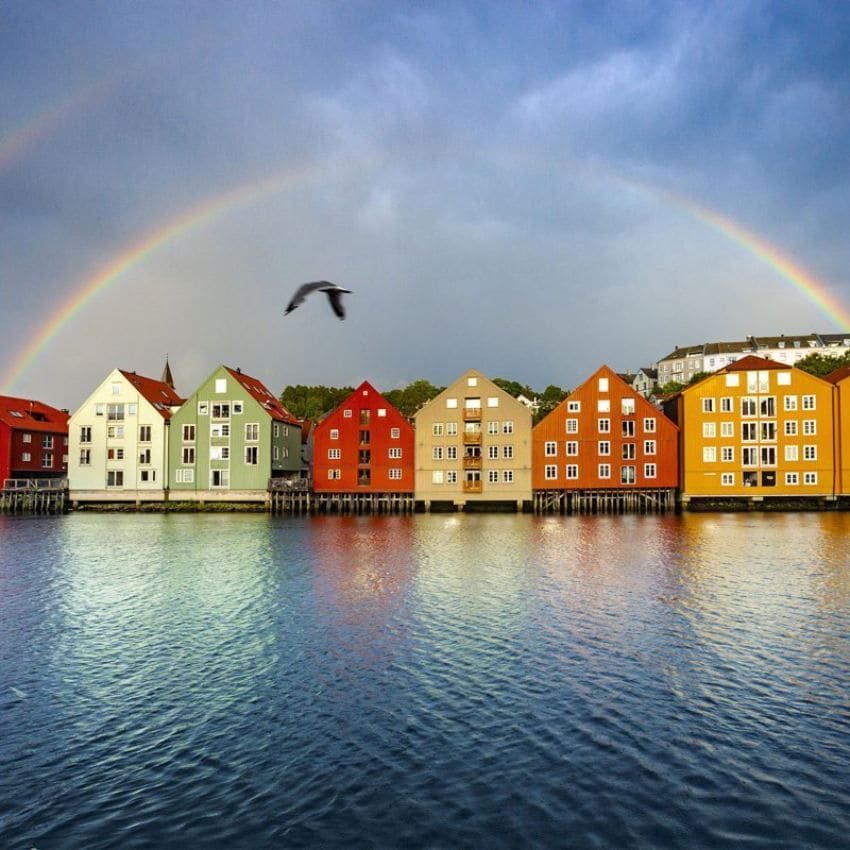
[28, 415]
[162, 396]
[751, 363]
[838, 375]
[260, 393]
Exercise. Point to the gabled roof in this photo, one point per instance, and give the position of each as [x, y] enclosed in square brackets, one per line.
[159, 394]
[261, 394]
[648, 371]
[838, 375]
[29, 415]
[751, 363]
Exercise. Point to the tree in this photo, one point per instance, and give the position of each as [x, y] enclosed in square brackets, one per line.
[312, 402]
[670, 387]
[413, 396]
[514, 388]
[820, 364]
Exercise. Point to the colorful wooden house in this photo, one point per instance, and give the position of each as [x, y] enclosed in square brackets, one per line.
[755, 429]
[473, 448]
[602, 441]
[118, 440]
[33, 440]
[230, 439]
[840, 379]
[364, 446]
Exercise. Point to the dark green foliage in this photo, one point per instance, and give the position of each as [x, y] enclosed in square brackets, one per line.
[820, 365]
[412, 397]
[312, 402]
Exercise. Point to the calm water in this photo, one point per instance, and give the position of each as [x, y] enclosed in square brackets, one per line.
[435, 681]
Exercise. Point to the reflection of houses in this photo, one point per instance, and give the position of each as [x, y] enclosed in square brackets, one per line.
[473, 447]
[230, 439]
[363, 455]
[605, 448]
[33, 440]
[755, 429]
[118, 440]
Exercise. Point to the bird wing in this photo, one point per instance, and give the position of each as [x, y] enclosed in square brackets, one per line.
[303, 291]
[335, 297]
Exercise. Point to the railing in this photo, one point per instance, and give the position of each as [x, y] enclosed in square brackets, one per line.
[471, 462]
[278, 485]
[29, 485]
[472, 437]
[471, 414]
[471, 486]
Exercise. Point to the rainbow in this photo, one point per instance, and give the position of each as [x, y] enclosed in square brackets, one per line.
[190, 219]
[216, 206]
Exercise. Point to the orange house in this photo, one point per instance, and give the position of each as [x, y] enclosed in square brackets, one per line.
[605, 436]
[840, 379]
[363, 446]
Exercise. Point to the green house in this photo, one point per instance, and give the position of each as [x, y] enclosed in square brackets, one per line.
[229, 438]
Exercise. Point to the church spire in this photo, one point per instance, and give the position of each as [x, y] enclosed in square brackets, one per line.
[167, 377]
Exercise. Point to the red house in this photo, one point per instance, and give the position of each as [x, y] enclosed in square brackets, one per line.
[33, 440]
[363, 446]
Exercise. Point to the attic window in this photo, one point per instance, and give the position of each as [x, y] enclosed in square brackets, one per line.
[17, 413]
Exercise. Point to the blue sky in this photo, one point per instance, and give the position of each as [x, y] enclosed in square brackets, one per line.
[489, 178]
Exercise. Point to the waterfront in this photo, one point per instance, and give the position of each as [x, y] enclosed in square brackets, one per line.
[431, 681]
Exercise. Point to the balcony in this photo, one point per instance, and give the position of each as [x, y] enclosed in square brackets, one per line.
[471, 462]
[472, 437]
[472, 486]
[472, 414]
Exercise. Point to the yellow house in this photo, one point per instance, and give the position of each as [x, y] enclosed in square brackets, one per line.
[473, 446]
[756, 429]
[840, 379]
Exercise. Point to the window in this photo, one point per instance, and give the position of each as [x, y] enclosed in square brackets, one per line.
[46, 460]
[437, 429]
[221, 411]
[382, 412]
[334, 454]
[768, 431]
[347, 414]
[727, 479]
[604, 426]
[472, 382]
[85, 434]
[203, 408]
[627, 406]
[396, 453]
[493, 452]
[451, 452]
[334, 474]
[749, 432]
[451, 429]
[451, 404]
[767, 406]
[188, 454]
[749, 456]
[115, 454]
[47, 441]
[550, 448]
[790, 428]
[365, 437]
[808, 402]
[572, 471]
[188, 433]
[727, 429]
[726, 404]
[604, 470]
[649, 447]
[572, 448]
[572, 426]
[145, 456]
[783, 379]
[810, 478]
[115, 478]
[252, 455]
[810, 426]
[790, 402]
[492, 401]
[85, 457]
[507, 476]
[727, 454]
[115, 412]
[144, 433]
[116, 388]
[221, 385]
[649, 470]
[603, 405]
[709, 429]
[708, 405]
[709, 454]
[185, 476]
[395, 433]
[792, 452]
[507, 452]
[508, 427]
[252, 432]
[649, 425]
[748, 406]
[437, 453]
[768, 455]
[628, 451]
[237, 408]
[275, 452]
[114, 432]
[437, 476]
[627, 475]
[132, 408]
[493, 476]
[334, 435]
[395, 474]
[792, 479]
[451, 477]
[603, 385]
[26, 457]
[219, 478]
[574, 407]
[733, 380]
[550, 472]
[99, 409]
[810, 452]
[220, 430]
[603, 448]
[628, 428]
[148, 475]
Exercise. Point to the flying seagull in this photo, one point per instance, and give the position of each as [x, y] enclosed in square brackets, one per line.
[333, 292]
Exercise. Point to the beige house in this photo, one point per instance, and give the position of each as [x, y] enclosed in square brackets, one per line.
[473, 448]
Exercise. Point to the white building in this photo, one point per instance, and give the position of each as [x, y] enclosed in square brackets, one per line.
[118, 440]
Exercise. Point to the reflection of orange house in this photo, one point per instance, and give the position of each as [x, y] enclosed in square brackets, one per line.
[840, 379]
[605, 436]
[756, 428]
[363, 446]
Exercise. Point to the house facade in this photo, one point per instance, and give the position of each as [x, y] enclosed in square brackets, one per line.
[473, 446]
[365, 445]
[840, 379]
[645, 381]
[605, 436]
[755, 429]
[229, 438]
[33, 440]
[118, 440]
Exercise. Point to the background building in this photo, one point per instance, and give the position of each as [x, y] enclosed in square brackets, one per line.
[33, 440]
